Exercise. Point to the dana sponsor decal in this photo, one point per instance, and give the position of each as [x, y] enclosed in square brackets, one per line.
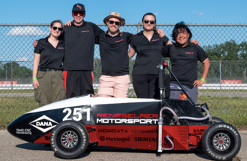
[113, 130]
[103, 138]
[144, 131]
[24, 131]
[149, 139]
[44, 123]
[189, 53]
[155, 39]
[119, 40]
[118, 118]
[85, 31]
[60, 48]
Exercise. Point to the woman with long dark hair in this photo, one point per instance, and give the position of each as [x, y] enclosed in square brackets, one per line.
[47, 66]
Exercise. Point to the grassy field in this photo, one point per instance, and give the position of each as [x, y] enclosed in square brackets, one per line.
[232, 110]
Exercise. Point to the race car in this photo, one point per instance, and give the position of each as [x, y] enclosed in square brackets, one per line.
[71, 125]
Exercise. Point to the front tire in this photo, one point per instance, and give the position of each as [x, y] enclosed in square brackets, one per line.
[69, 139]
[221, 141]
[216, 120]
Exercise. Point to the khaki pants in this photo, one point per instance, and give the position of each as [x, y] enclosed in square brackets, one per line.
[51, 88]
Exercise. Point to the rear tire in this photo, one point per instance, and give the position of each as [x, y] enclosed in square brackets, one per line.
[69, 139]
[221, 141]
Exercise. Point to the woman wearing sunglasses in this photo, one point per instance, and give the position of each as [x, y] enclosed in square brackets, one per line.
[47, 66]
[148, 45]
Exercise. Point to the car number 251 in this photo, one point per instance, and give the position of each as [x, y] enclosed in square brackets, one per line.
[77, 114]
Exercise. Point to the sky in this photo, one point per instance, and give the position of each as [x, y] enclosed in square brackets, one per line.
[190, 11]
[16, 41]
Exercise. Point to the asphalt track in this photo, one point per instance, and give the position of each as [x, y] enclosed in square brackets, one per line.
[13, 149]
[227, 94]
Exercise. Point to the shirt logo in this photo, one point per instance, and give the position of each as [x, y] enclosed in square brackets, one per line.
[85, 31]
[78, 6]
[189, 52]
[60, 48]
[155, 39]
[119, 40]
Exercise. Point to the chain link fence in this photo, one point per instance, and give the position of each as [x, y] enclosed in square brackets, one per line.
[225, 90]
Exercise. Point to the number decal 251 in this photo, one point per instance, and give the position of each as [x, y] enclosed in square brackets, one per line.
[77, 113]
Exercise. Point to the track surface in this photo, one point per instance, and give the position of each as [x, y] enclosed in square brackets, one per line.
[18, 150]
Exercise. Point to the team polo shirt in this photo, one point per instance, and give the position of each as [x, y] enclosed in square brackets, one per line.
[148, 52]
[184, 62]
[79, 46]
[50, 57]
[114, 53]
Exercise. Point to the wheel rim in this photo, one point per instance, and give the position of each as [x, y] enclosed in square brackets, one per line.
[221, 141]
[69, 139]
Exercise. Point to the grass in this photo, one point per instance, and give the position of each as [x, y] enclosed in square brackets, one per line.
[231, 109]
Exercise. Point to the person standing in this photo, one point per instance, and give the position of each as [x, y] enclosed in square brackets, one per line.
[115, 79]
[184, 57]
[148, 45]
[47, 66]
[79, 54]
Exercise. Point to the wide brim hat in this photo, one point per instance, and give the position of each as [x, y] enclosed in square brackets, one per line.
[114, 15]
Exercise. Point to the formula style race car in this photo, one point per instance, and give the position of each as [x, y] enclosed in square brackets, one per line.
[71, 125]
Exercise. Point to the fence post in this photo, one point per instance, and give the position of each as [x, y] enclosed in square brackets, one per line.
[220, 74]
[12, 75]
[139, 27]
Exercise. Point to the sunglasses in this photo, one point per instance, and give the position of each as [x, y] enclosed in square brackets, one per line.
[78, 13]
[147, 21]
[59, 29]
[116, 23]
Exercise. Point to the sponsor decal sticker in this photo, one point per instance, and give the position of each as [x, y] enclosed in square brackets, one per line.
[118, 118]
[103, 138]
[149, 139]
[198, 131]
[113, 130]
[144, 131]
[24, 131]
[43, 123]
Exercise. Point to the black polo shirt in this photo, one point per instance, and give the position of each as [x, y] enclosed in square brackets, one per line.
[50, 57]
[148, 52]
[114, 53]
[79, 46]
[184, 62]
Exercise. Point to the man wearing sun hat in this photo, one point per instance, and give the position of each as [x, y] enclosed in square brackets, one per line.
[115, 79]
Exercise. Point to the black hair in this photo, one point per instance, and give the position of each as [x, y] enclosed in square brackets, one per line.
[151, 14]
[180, 25]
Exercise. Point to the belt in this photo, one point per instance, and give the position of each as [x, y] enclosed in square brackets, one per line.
[47, 69]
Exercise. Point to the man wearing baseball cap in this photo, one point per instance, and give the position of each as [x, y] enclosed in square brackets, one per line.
[79, 53]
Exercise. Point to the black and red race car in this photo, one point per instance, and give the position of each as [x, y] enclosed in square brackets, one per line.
[69, 126]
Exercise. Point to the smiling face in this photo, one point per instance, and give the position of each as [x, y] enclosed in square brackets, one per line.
[148, 22]
[112, 26]
[78, 17]
[55, 29]
[183, 37]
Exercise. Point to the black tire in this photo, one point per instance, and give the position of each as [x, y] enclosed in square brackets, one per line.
[216, 120]
[221, 141]
[69, 139]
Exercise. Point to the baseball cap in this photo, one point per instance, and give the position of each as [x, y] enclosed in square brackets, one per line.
[78, 8]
